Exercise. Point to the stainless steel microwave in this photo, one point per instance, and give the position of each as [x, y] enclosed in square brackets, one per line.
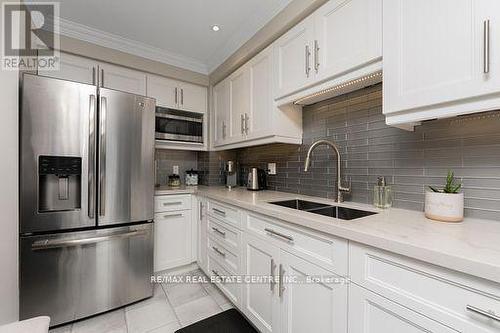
[176, 125]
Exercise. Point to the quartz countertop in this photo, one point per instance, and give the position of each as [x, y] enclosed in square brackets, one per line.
[472, 246]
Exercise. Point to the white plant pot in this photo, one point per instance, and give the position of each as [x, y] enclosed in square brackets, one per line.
[445, 207]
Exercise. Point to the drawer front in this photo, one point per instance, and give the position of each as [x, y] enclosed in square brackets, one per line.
[228, 236]
[326, 251]
[449, 297]
[170, 203]
[225, 213]
[225, 257]
[230, 289]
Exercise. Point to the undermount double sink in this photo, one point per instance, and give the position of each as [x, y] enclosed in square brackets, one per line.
[342, 213]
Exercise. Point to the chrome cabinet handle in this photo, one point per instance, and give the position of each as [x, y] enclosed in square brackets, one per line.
[222, 233]
[59, 243]
[223, 129]
[221, 253]
[272, 282]
[182, 96]
[91, 157]
[172, 203]
[242, 124]
[279, 234]
[486, 46]
[93, 76]
[101, 80]
[102, 158]
[308, 67]
[247, 118]
[201, 211]
[175, 96]
[485, 313]
[220, 212]
[172, 215]
[281, 287]
[316, 56]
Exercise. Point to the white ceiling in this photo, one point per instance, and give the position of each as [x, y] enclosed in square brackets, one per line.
[177, 32]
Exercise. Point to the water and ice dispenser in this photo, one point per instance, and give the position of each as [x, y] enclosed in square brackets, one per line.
[59, 183]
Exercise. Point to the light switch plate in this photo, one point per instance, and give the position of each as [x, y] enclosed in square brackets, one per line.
[271, 168]
[175, 170]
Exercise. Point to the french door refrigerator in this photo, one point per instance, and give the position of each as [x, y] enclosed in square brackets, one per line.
[86, 198]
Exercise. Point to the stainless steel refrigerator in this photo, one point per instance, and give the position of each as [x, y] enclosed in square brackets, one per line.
[86, 198]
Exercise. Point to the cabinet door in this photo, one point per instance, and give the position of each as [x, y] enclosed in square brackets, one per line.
[164, 90]
[221, 110]
[260, 301]
[258, 121]
[293, 59]
[172, 239]
[314, 305]
[192, 97]
[202, 224]
[74, 68]
[370, 313]
[348, 34]
[239, 103]
[433, 53]
[123, 79]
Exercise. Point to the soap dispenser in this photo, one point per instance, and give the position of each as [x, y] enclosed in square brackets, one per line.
[382, 194]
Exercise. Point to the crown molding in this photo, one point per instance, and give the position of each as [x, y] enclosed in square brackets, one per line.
[112, 41]
[248, 29]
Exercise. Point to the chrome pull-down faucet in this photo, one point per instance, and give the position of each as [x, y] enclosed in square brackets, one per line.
[340, 188]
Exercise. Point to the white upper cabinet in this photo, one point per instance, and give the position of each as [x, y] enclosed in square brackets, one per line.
[341, 37]
[123, 79]
[293, 58]
[259, 118]
[74, 68]
[348, 34]
[239, 103]
[440, 58]
[178, 95]
[163, 90]
[221, 112]
[192, 97]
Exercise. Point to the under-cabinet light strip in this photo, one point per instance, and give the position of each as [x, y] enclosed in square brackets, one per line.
[347, 84]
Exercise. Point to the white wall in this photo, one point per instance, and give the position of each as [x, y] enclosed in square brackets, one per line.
[9, 294]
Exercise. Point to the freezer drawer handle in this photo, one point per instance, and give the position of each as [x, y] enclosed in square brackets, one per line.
[54, 244]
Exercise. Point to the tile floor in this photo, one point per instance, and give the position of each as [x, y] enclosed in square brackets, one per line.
[174, 305]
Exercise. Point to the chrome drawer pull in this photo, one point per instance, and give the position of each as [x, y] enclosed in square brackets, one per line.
[172, 215]
[222, 233]
[275, 233]
[486, 46]
[172, 203]
[220, 212]
[488, 314]
[219, 251]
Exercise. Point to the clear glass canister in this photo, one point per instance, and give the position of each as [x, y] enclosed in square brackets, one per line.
[382, 194]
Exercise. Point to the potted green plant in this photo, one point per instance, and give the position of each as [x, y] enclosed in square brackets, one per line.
[446, 204]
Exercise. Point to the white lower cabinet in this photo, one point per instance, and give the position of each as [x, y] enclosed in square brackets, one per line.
[173, 232]
[371, 313]
[260, 301]
[297, 298]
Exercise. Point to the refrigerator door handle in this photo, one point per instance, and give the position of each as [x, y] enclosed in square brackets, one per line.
[60, 243]
[91, 177]
[102, 157]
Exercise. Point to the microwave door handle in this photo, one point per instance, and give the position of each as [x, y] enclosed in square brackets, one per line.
[102, 157]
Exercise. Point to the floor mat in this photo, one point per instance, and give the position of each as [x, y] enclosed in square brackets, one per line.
[229, 321]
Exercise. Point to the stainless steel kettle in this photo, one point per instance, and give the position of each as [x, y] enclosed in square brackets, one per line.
[256, 180]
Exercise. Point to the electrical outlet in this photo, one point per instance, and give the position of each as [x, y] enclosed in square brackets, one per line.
[271, 168]
[175, 170]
